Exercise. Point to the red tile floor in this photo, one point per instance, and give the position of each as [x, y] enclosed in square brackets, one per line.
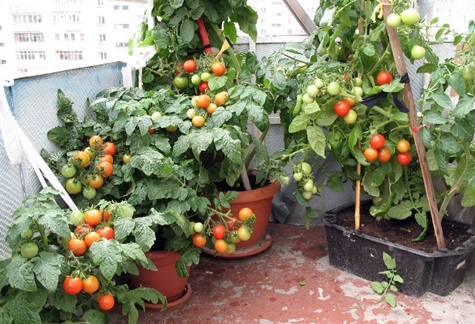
[292, 282]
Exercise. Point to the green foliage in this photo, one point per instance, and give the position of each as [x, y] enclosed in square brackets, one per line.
[385, 287]
[32, 288]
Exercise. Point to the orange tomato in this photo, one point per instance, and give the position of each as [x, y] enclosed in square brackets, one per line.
[221, 98]
[384, 154]
[198, 121]
[202, 101]
[245, 213]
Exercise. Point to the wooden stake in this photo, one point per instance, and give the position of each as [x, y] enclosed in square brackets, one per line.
[421, 152]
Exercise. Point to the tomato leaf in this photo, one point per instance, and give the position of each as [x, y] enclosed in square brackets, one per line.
[464, 106]
[442, 99]
[316, 139]
[377, 287]
[107, 254]
[433, 117]
[93, 316]
[389, 262]
[20, 274]
[299, 123]
[457, 82]
[468, 198]
[401, 211]
[48, 269]
[148, 160]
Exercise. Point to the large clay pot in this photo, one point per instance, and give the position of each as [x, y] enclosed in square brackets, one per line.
[165, 279]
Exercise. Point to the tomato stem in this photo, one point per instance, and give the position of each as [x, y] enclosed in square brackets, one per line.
[44, 239]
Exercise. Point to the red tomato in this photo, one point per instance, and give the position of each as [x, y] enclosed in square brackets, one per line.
[384, 155]
[203, 87]
[342, 108]
[109, 148]
[199, 240]
[106, 302]
[106, 158]
[82, 230]
[377, 141]
[106, 232]
[218, 68]
[219, 231]
[384, 77]
[105, 169]
[77, 246]
[72, 285]
[371, 154]
[404, 158]
[189, 66]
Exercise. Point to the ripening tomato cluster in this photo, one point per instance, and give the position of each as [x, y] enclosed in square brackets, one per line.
[225, 233]
[305, 180]
[88, 284]
[91, 226]
[379, 151]
[204, 106]
[87, 170]
[189, 72]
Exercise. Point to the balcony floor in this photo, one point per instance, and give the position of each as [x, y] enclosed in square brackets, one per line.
[266, 288]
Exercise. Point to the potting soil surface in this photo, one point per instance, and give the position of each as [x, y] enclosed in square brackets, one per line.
[293, 282]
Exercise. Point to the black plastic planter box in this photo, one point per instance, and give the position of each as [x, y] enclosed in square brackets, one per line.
[439, 272]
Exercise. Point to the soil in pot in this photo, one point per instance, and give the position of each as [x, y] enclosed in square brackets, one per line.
[402, 232]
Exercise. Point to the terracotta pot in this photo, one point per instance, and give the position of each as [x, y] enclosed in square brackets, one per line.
[165, 279]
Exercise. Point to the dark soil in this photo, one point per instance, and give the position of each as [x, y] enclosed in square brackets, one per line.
[403, 232]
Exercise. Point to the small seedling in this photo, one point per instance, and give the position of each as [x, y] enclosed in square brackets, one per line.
[384, 287]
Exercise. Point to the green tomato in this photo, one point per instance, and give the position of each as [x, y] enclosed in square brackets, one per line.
[308, 186]
[190, 113]
[393, 20]
[76, 217]
[89, 192]
[73, 186]
[198, 227]
[418, 52]
[358, 91]
[306, 168]
[298, 176]
[125, 210]
[29, 250]
[307, 99]
[410, 16]
[319, 83]
[26, 233]
[468, 72]
[68, 171]
[351, 117]
[333, 88]
[156, 116]
[180, 82]
[285, 180]
[357, 82]
[196, 79]
[312, 90]
[314, 190]
[307, 195]
[205, 76]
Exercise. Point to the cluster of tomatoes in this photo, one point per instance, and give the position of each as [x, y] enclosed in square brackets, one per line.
[379, 151]
[75, 284]
[204, 106]
[343, 108]
[224, 234]
[304, 178]
[87, 170]
[188, 72]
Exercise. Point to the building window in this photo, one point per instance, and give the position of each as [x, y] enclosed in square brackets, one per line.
[3, 61]
[30, 55]
[69, 36]
[69, 55]
[121, 44]
[121, 26]
[276, 25]
[27, 19]
[102, 38]
[100, 2]
[117, 7]
[66, 2]
[29, 37]
[102, 20]
[2, 44]
[66, 17]
[103, 55]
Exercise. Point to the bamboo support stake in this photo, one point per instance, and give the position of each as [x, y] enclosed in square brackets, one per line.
[421, 152]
